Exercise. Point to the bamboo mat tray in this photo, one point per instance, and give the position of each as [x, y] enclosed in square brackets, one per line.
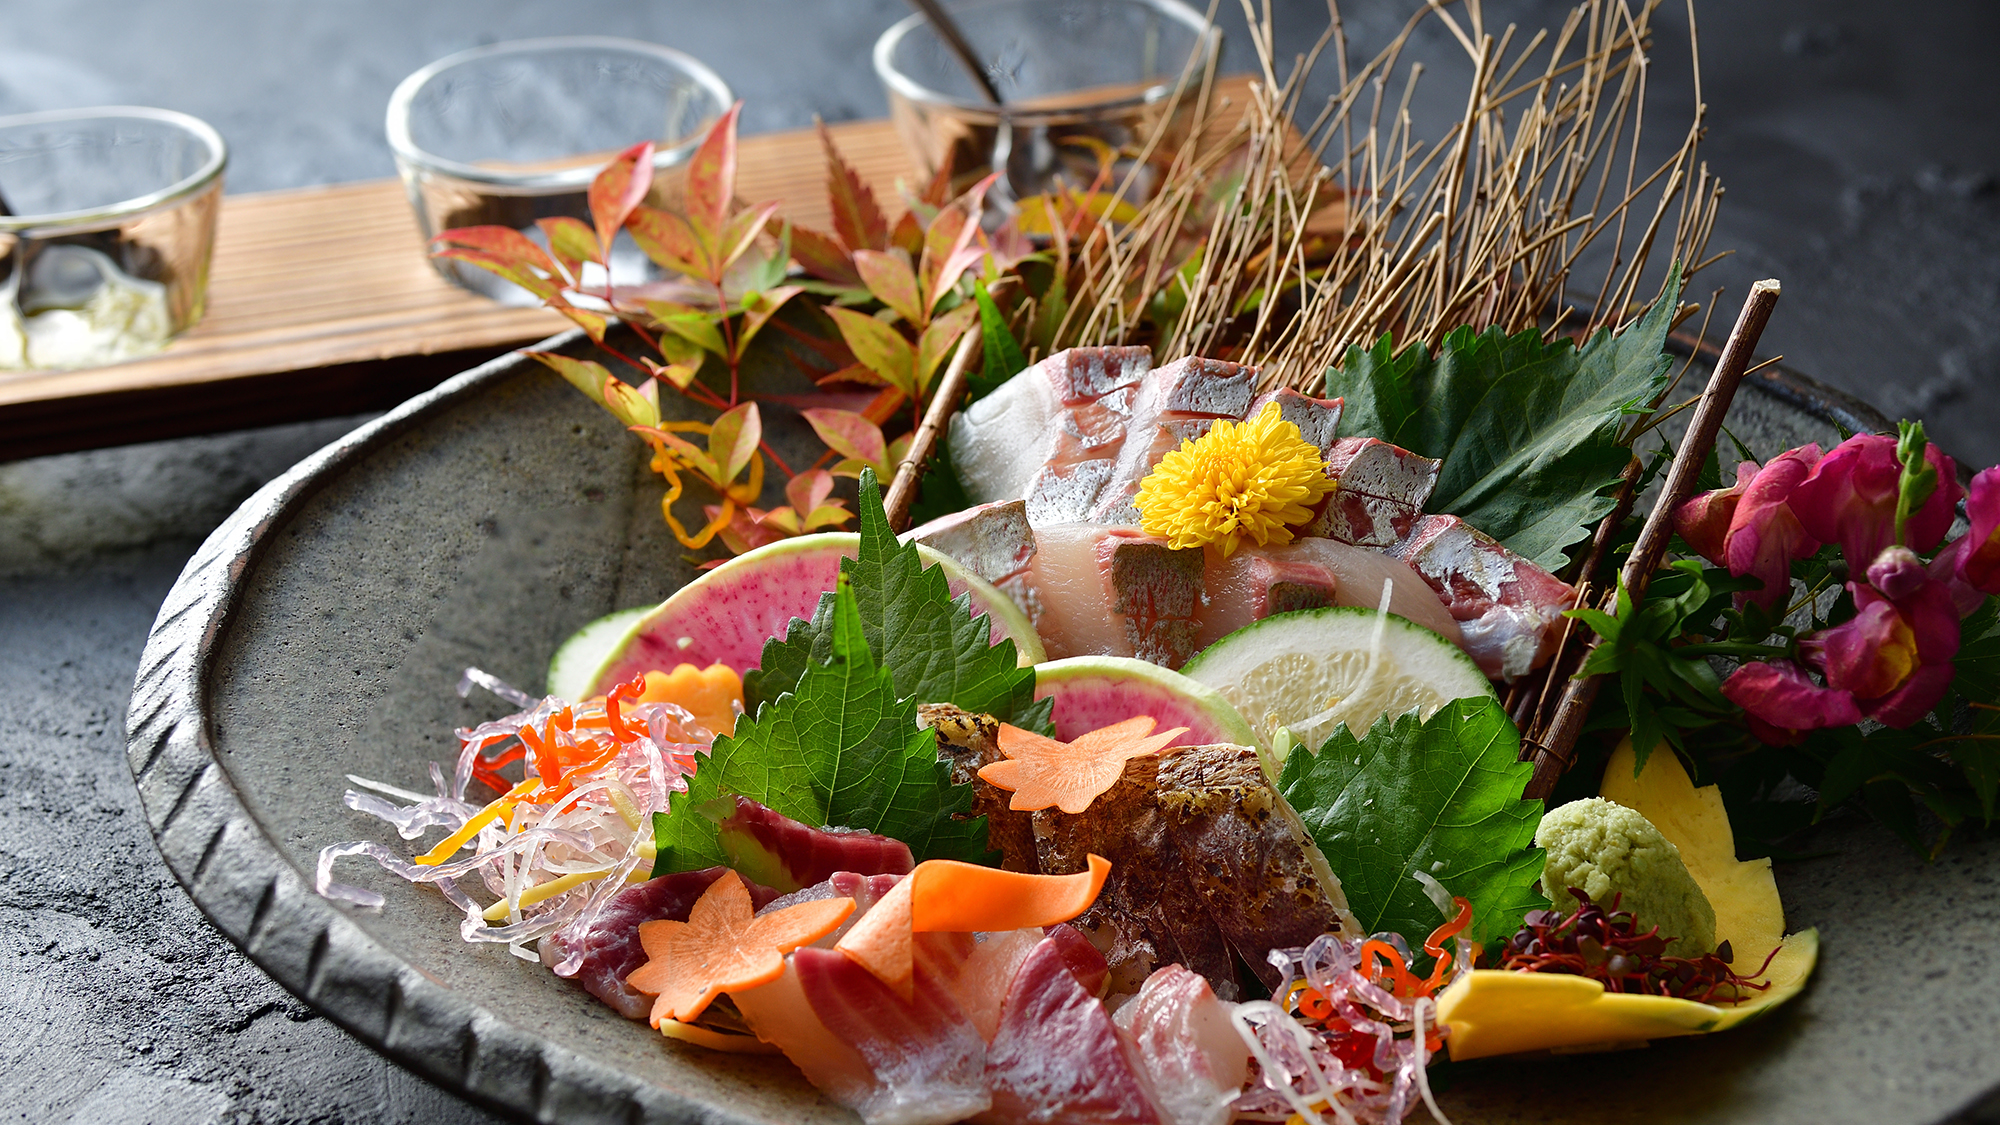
[321, 302]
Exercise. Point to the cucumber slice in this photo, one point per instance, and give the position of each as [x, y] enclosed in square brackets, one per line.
[576, 663]
[1312, 670]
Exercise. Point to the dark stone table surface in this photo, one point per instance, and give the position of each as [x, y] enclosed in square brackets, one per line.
[1860, 143]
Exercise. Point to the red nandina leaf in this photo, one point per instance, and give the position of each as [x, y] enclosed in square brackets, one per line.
[938, 192]
[592, 323]
[712, 179]
[618, 189]
[809, 490]
[758, 308]
[583, 374]
[849, 435]
[634, 406]
[908, 235]
[856, 218]
[937, 341]
[741, 232]
[667, 239]
[733, 440]
[504, 244]
[689, 323]
[820, 255]
[879, 347]
[948, 248]
[888, 275]
[572, 242]
[545, 287]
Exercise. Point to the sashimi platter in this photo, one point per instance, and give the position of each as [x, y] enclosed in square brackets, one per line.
[1226, 641]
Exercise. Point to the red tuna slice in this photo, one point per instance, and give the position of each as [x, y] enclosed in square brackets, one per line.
[727, 614]
[1383, 489]
[1318, 419]
[1175, 403]
[993, 541]
[928, 1060]
[1256, 582]
[786, 855]
[1093, 692]
[1509, 610]
[998, 443]
[1187, 1045]
[611, 949]
[1059, 1057]
[1112, 591]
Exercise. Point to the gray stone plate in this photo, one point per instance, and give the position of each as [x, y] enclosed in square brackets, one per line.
[319, 633]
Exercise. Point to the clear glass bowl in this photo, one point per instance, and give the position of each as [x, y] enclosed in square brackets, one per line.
[514, 132]
[107, 221]
[1075, 76]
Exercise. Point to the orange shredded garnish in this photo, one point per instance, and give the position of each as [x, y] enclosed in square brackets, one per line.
[713, 695]
[724, 946]
[1041, 772]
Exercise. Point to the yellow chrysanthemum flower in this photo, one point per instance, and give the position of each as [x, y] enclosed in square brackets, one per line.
[1254, 479]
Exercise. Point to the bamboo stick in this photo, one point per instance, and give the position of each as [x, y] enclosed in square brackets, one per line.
[950, 389]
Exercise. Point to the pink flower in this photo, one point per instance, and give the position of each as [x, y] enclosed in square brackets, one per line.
[1765, 534]
[1850, 498]
[1704, 520]
[1891, 662]
[1979, 551]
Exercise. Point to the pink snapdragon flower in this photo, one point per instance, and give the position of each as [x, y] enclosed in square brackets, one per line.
[1891, 662]
[1978, 554]
[1760, 535]
[1704, 520]
[1850, 499]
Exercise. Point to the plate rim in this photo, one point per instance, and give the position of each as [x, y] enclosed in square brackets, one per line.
[246, 887]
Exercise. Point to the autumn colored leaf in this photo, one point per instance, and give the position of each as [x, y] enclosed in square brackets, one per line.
[585, 375]
[505, 243]
[572, 243]
[617, 190]
[1041, 771]
[850, 435]
[732, 442]
[758, 309]
[938, 192]
[888, 275]
[820, 256]
[742, 231]
[937, 341]
[634, 406]
[696, 326]
[879, 347]
[856, 217]
[684, 359]
[948, 245]
[592, 323]
[668, 240]
[724, 946]
[712, 180]
[908, 235]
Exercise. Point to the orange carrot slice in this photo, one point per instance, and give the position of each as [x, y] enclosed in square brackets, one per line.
[725, 945]
[715, 1040]
[1041, 772]
[943, 895]
[710, 694]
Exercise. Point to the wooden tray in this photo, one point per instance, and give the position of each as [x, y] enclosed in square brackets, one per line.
[321, 303]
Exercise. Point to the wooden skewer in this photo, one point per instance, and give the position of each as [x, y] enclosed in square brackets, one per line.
[1554, 747]
[950, 389]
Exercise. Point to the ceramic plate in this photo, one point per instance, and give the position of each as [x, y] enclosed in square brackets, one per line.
[319, 633]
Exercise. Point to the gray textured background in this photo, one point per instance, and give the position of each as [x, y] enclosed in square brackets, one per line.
[1859, 141]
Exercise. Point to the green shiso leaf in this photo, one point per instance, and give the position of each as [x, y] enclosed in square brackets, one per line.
[1001, 357]
[1527, 430]
[842, 748]
[933, 646]
[1442, 797]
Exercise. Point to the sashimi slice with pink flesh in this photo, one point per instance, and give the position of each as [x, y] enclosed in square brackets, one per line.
[1187, 1045]
[1094, 692]
[1509, 611]
[1113, 591]
[726, 615]
[611, 949]
[1059, 1057]
[927, 1058]
[1381, 493]
[1257, 582]
[786, 855]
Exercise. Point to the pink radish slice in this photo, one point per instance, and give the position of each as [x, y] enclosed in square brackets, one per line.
[1092, 692]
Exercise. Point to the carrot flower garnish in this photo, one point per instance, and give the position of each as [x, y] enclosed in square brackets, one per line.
[1041, 772]
[724, 946]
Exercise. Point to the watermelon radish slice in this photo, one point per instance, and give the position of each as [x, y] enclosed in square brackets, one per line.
[1091, 692]
[727, 614]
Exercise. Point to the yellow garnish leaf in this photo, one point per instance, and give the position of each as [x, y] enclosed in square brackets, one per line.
[725, 945]
[713, 695]
[1041, 771]
[1254, 479]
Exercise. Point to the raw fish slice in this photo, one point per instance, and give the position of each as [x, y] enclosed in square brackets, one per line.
[993, 541]
[979, 986]
[1318, 419]
[969, 741]
[1509, 609]
[1240, 588]
[782, 853]
[927, 1058]
[999, 442]
[1058, 1057]
[1266, 883]
[1066, 493]
[1253, 584]
[611, 947]
[1175, 403]
[865, 890]
[1149, 913]
[1092, 431]
[1185, 1041]
[1382, 493]
[1157, 591]
[1073, 601]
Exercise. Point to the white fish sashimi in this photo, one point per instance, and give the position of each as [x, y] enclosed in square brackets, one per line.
[1197, 1061]
[1256, 582]
[1112, 591]
[999, 443]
